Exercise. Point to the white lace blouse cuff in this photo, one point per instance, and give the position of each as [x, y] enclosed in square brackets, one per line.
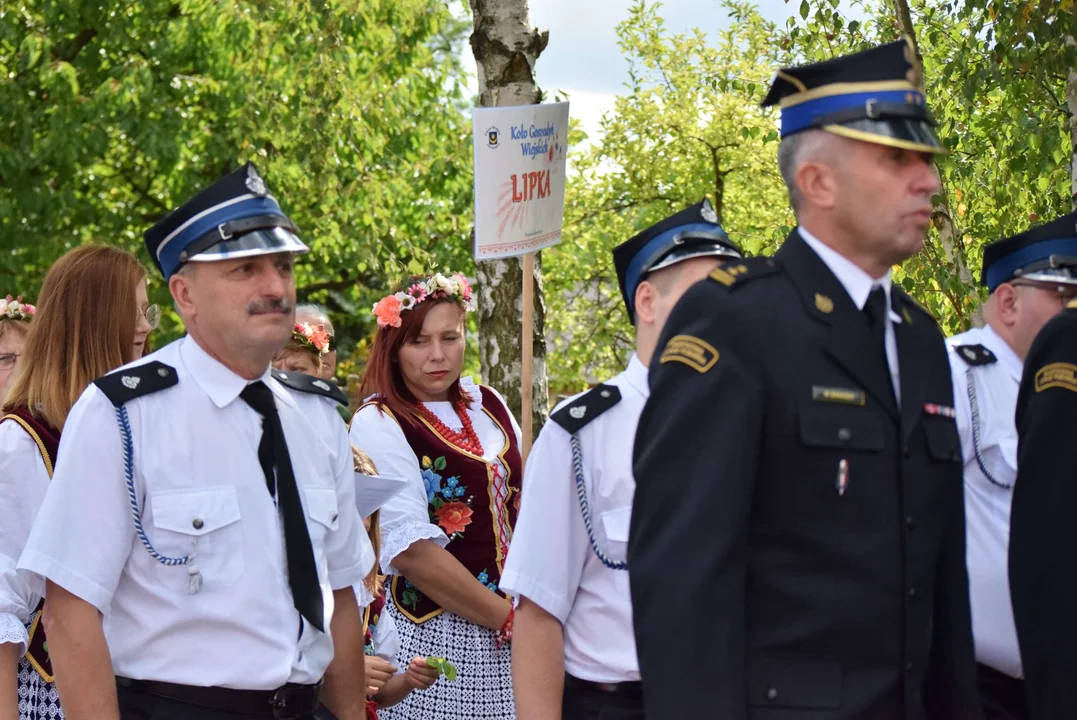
[363, 595]
[13, 631]
[400, 538]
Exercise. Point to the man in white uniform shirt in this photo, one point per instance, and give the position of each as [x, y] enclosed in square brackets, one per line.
[207, 503]
[573, 654]
[1030, 277]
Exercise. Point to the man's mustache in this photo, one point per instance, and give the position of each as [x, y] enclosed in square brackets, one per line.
[268, 305]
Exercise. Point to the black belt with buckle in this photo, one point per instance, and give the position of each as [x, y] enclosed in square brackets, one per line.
[629, 689]
[286, 703]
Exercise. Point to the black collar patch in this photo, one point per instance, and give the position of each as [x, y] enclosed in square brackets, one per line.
[975, 354]
[311, 384]
[123, 386]
[576, 414]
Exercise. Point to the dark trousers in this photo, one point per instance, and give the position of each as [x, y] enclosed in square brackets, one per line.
[135, 705]
[585, 701]
[1002, 697]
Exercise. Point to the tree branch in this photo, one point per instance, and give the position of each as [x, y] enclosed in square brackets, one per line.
[81, 40]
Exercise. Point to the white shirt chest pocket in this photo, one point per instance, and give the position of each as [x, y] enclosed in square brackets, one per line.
[615, 522]
[202, 523]
[322, 516]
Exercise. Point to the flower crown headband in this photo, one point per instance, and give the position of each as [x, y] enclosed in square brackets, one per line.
[311, 337]
[15, 309]
[423, 288]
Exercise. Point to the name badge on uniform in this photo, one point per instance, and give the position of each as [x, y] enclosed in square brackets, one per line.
[843, 396]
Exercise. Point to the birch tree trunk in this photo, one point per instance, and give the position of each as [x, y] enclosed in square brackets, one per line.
[941, 216]
[506, 48]
[1071, 106]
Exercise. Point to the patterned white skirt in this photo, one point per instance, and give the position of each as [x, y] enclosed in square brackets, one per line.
[483, 687]
[38, 700]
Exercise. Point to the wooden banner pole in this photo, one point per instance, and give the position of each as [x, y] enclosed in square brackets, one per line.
[526, 379]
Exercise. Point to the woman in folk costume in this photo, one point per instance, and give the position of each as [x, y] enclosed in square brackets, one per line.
[305, 352]
[93, 316]
[445, 536]
[15, 318]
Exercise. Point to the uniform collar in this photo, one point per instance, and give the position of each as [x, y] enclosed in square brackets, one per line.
[636, 376]
[221, 384]
[1003, 352]
[857, 283]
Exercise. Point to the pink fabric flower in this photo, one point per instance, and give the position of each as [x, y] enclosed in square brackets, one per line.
[465, 288]
[388, 312]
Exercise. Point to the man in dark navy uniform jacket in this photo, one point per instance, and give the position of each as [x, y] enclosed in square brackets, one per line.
[797, 547]
[1043, 536]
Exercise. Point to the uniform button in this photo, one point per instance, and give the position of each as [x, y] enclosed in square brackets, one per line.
[772, 694]
[844, 434]
[908, 667]
[912, 592]
[908, 521]
[197, 524]
[905, 450]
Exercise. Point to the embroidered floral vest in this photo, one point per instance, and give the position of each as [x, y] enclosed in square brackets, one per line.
[48, 443]
[473, 501]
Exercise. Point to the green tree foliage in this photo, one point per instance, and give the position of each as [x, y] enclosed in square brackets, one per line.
[115, 112]
[688, 127]
[995, 80]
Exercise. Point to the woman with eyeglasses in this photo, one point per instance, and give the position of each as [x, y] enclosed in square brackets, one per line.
[93, 315]
[15, 318]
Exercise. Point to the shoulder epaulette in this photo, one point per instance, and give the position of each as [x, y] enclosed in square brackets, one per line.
[310, 384]
[1072, 304]
[741, 271]
[975, 354]
[128, 384]
[576, 414]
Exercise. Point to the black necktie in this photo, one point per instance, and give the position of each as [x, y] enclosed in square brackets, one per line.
[273, 453]
[876, 310]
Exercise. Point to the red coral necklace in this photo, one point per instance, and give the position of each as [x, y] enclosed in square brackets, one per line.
[466, 440]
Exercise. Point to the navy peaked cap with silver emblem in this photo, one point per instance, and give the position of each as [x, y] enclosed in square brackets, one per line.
[873, 96]
[575, 415]
[1044, 254]
[234, 217]
[692, 232]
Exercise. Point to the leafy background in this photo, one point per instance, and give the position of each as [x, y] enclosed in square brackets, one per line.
[357, 114]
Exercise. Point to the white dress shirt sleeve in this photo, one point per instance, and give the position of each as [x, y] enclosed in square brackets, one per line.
[349, 553]
[405, 519]
[549, 542]
[83, 533]
[23, 482]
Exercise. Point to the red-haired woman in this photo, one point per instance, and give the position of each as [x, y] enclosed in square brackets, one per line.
[93, 315]
[445, 537]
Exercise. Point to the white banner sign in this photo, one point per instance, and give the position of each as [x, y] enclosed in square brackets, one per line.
[520, 155]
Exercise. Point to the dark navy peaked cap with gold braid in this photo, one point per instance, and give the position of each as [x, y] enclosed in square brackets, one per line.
[872, 96]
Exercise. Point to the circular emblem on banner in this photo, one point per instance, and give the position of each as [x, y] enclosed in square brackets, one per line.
[493, 137]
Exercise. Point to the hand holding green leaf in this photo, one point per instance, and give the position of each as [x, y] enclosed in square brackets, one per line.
[444, 666]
